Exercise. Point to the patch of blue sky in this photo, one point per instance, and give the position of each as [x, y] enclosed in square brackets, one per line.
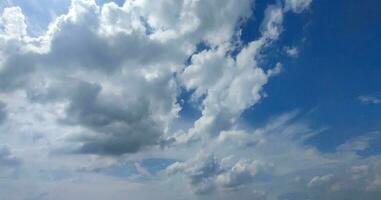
[118, 2]
[128, 169]
[156, 165]
[338, 62]
[122, 170]
[38, 17]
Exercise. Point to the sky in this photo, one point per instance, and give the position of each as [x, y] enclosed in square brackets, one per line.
[190, 99]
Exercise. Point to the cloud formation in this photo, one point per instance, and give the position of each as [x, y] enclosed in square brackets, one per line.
[95, 97]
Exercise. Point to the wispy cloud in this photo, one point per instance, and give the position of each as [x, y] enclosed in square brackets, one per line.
[368, 99]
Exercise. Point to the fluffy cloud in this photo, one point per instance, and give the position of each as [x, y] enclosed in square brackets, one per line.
[13, 23]
[132, 55]
[230, 84]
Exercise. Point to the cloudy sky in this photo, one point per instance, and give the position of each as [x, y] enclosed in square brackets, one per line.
[190, 99]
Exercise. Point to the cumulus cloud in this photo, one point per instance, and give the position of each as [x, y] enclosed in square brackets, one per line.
[13, 23]
[132, 55]
[96, 56]
[106, 80]
[230, 84]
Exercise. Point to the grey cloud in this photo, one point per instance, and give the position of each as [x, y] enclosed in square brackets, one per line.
[79, 46]
[127, 128]
[90, 49]
[9, 163]
[15, 72]
[200, 172]
[6, 157]
[115, 127]
[115, 122]
[242, 173]
[207, 173]
[3, 112]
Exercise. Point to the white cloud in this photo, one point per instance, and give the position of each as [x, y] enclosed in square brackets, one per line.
[272, 23]
[297, 6]
[369, 99]
[242, 172]
[12, 23]
[292, 51]
[318, 180]
[358, 144]
[234, 84]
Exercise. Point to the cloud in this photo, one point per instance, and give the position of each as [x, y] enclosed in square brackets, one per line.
[6, 157]
[95, 56]
[118, 126]
[8, 162]
[13, 23]
[224, 88]
[271, 26]
[243, 172]
[200, 172]
[297, 6]
[292, 51]
[236, 82]
[243, 159]
[105, 80]
[277, 155]
[318, 180]
[369, 99]
[3, 113]
[360, 143]
[132, 55]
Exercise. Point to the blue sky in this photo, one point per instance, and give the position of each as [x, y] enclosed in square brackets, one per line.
[183, 99]
[338, 63]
